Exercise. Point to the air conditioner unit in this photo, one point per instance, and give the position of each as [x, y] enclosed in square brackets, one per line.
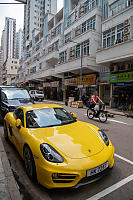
[126, 37]
[127, 30]
[126, 22]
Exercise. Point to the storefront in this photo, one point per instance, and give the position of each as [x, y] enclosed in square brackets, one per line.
[52, 90]
[122, 89]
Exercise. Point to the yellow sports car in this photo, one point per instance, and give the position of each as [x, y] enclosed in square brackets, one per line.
[58, 150]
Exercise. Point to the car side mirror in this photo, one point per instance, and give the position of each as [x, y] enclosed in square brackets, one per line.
[18, 123]
[73, 115]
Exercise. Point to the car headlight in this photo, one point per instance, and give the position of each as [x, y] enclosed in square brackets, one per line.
[50, 154]
[104, 137]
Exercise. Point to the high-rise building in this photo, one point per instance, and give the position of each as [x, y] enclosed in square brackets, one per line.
[3, 45]
[10, 38]
[19, 44]
[0, 65]
[34, 12]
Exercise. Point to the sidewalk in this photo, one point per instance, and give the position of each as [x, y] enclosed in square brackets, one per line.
[8, 187]
[112, 111]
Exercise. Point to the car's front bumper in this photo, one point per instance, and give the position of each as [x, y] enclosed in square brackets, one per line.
[73, 173]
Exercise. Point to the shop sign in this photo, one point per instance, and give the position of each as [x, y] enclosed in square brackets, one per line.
[87, 80]
[46, 84]
[121, 77]
[51, 84]
[71, 81]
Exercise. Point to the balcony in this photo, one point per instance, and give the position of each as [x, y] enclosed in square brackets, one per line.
[88, 65]
[118, 53]
[52, 57]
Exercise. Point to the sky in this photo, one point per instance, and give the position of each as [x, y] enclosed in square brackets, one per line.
[16, 12]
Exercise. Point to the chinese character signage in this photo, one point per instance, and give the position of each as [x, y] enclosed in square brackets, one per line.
[122, 77]
[87, 80]
[71, 81]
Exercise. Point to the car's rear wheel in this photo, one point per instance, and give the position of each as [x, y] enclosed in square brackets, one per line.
[5, 131]
[29, 163]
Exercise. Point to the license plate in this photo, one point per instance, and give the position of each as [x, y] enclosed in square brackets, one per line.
[98, 169]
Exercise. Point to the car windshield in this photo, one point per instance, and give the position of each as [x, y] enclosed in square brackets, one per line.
[39, 92]
[13, 93]
[48, 117]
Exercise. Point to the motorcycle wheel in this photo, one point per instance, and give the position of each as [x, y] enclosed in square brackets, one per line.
[90, 114]
[103, 116]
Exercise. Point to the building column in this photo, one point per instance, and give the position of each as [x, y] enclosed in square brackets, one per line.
[111, 92]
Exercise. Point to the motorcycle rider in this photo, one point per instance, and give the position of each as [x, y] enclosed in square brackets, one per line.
[95, 100]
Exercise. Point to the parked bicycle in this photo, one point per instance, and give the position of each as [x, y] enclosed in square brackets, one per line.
[98, 112]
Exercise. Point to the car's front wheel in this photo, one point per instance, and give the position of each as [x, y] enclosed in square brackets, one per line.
[29, 163]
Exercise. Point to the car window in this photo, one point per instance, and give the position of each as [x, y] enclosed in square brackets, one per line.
[39, 92]
[3, 96]
[48, 117]
[18, 114]
[14, 93]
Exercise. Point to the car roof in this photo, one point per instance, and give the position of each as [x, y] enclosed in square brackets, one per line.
[39, 106]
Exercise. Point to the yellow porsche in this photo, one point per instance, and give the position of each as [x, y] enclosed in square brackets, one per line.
[58, 150]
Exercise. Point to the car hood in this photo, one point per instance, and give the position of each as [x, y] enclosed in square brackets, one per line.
[76, 140]
[17, 102]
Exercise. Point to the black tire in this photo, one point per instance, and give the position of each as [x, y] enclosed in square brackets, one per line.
[103, 116]
[29, 163]
[90, 113]
[1, 119]
[5, 131]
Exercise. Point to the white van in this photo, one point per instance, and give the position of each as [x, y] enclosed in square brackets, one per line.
[36, 94]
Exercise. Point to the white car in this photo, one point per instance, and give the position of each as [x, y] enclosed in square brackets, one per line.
[37, 94]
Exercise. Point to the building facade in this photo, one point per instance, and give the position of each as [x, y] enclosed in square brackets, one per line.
[10, 38]
[9, 70]
[117, 48]
[79, 47]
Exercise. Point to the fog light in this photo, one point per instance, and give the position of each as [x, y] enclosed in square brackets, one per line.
[55, 175]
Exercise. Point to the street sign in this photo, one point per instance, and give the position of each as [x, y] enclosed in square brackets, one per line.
[22, 1]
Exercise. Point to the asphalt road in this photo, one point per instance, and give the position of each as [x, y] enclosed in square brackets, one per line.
[118, 184]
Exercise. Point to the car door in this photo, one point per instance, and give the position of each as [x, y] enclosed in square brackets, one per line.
[19, 133]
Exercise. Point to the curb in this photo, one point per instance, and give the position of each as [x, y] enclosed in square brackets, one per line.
[12, 190]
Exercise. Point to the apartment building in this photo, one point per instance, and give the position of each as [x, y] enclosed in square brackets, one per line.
[68, 37]
[34, 12]
[79, 47]
[10, 38]
[19, 44]
[9, 70]
[117, 48]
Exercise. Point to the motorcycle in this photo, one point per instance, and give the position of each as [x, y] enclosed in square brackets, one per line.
[98, 112]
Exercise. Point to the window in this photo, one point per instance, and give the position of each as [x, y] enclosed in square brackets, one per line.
[69, 21]
[67, 37]
[89, 4]
[78, 50]
[16, 67]
[83, 27]
[18, 114]
[91, 23]
[109, 38]
[63, 56]
[120, 32]
[11, 67]
[85, 48]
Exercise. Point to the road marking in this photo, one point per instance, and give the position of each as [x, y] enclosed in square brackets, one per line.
[113, 120]
[111, 188]
[125, 159]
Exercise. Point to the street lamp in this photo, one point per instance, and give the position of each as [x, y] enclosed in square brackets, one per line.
[81, 63]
